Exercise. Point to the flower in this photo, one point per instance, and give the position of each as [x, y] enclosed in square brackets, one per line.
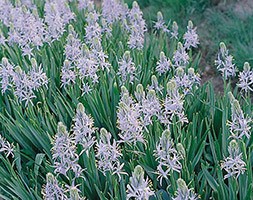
[174, 31]
[112, 10]
[138, 187]
[173, 105]
[150, 106]
[6, 147]
[183, 193]
[108, 154]
[233, 164]
[64, 152]
[160, 23]
[246, 78]
[224, 62]
[239, 126]
[74, 193]
[163, 65]
[126, 69]
[57, 16]
[180, 57]
[190, 37]
[6, 74]
[87, 65]
[84, 4]
[37, 76]
[167, 156]
[129, 119]
[52, 190]
[83, 129]
[155, 85]
[186, 82]
[72, 48]
[68, 76]
[137, 27]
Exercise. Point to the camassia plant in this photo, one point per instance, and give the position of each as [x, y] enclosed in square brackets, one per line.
[96, 105]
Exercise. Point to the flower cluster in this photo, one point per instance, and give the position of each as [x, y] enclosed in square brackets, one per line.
[137, 27]
[224, 62]
[5, 10]
[180, 57]
[6, 74]
[64, 152]
[149, 104]
[138, 187]
[113, 10]
[83, 129]
[129, 119]
[167, 156]
[173, 105]
[163, 65]
[24, 84]
[87, 65]
[84, 4]
[25, 29]
[246, 78]
[183, 193]
[72, 48]
[57, 16]
[239, 126]
[174, 30]
[160, 23]
[190, 37]
[52, 189]
[186, 81]
[233, 164]
[6, 147]
[155, 85]
[126, 69]
[68, 75]
[108, 154]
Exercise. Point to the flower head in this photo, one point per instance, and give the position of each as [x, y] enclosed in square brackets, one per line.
[167, 156]
[129, 119]
[174, 31]
[233, 164]
[137, 27]
[173, 105]
[52, 189]
[163, 65]
[6, 147]
[240, 125]
[138, 187]
[64, 152]
[108, 154]
[191, 37]
[83, 129]
[126, 69]
[180, 57]
[183, 193]
[246, 78]
[224, 62]
[160, 23]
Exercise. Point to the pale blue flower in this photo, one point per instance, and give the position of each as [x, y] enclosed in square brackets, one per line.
[138, 188]
[233, 164]
[183, 192]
